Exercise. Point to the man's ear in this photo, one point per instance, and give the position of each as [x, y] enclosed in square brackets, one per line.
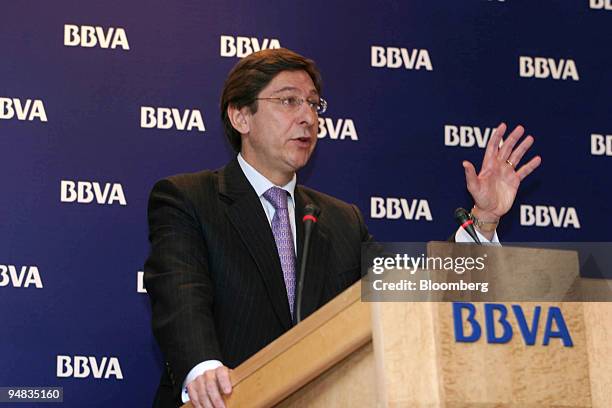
[239, 118]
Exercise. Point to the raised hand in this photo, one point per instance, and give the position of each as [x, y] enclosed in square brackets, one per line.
[494, 188]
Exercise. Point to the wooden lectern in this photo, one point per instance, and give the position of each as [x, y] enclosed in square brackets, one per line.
[404, 354]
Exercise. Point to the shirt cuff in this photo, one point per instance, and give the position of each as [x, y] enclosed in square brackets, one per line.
[196, 371]
[462, 236]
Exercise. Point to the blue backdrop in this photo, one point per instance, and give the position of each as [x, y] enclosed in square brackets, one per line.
[413, 88]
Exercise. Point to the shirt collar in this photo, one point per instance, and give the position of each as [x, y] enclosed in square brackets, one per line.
[260, 183]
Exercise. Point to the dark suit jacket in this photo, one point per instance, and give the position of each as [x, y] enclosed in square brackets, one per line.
[214, 275]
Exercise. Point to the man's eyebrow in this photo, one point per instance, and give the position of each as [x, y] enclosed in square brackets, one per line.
[293, 88]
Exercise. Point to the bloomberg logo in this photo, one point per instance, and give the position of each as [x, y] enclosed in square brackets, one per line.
[84, 192]
[499, 330]
[393, 57]
[337, 129]
[395, 208]
[90, 36]
[242, 46]
[26, 111]
[545, 215]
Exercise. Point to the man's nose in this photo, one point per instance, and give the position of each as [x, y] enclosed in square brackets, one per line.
[307, 114]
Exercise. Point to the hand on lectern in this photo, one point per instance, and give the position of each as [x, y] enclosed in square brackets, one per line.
[494, 188]
[206, 390]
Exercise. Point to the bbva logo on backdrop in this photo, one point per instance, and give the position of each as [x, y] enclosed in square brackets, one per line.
[86, 192]
[88, 366]
[20, 277]
[393, 208]
[545, 68]
[242, 46]
[140, 287]
[171, 118]
[394, 57]
[339, 129]
[547, 215]
[601, 145]
[27, 110]
[467, 136]
[91, 36]
[600, 4]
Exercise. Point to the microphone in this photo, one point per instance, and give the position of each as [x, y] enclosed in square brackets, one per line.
[464, 220]
[311, 214]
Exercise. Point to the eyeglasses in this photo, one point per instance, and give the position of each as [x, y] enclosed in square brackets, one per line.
[292, 103]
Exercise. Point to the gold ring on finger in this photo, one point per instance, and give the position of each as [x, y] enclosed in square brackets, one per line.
[510, 163]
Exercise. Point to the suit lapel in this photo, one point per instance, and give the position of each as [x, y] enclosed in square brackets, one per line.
[249, 219]
[314, 279]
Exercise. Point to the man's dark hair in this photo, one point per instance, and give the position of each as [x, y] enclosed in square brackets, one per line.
[254, 73]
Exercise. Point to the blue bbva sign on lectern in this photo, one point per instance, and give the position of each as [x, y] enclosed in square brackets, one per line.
[498, 328]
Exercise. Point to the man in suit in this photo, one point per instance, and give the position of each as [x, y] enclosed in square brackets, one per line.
[225, 244]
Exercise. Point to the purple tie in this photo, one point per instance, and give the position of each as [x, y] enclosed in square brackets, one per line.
[284, 238]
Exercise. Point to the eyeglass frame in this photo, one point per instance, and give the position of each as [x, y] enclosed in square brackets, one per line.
[300, 101]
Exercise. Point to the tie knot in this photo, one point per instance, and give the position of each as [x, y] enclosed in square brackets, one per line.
[277, 197]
